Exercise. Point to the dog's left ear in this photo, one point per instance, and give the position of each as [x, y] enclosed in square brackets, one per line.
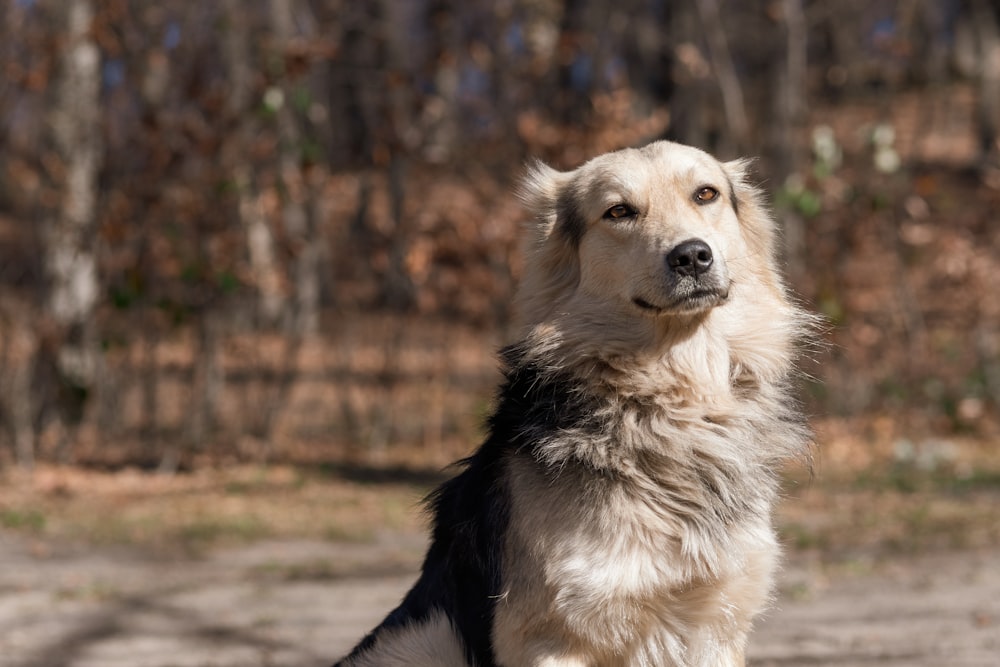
[739, 188]
[751, 207]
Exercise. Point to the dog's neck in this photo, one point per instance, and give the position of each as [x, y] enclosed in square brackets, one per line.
[721, 354]
[640, 402]
[689, 356]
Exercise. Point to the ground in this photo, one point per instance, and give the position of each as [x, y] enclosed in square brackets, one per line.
[275, 603]
[268, 566]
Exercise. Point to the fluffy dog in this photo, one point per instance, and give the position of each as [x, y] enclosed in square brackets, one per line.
[619, 512]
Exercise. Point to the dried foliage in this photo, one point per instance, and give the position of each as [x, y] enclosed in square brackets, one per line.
[301, 227]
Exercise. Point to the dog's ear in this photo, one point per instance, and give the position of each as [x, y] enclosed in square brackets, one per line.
[549, 194]
[551, 267]
[541, 191]
[750, 205]
[740, 190]
[540, 185]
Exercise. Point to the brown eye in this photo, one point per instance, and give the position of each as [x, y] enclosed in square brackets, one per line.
[619, 211]
[706, 194]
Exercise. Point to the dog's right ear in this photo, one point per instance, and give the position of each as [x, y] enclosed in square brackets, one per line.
[541, 191]
[551, 266]
[539, 184]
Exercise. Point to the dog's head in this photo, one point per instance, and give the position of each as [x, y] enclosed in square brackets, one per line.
[643, 239]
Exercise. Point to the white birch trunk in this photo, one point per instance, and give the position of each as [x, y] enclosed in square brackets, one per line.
[299, 192]
[68, 227]
[259, 239]
[70, 260]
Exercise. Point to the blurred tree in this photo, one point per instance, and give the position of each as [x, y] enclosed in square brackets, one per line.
[985, 18]
[68, 356]
[788, 79]
[243, 102]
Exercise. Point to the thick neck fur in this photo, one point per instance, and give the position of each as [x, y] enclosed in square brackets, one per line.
[704, 358]
[709, 385]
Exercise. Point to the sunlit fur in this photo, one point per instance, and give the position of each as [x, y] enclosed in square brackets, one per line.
[619, 513]
[430, 642]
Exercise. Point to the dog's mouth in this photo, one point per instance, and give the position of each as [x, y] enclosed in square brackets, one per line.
[645, 305]
[695, 301]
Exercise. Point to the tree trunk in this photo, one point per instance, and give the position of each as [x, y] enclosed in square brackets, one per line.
[725, 72]
[18, 351]
[397, 288]
[69, 228]
[207, 382]
[239, 111]
[352, 96]
[574, 73]
[300, 186]
[984, 17]
[690, 79]
[790, 102]
[70, 262]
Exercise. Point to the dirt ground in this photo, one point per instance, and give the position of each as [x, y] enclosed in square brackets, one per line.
[284, 603]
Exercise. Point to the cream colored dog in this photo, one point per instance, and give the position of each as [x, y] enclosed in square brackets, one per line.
[619, 513]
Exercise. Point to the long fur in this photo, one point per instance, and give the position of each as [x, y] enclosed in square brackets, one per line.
[619, 512]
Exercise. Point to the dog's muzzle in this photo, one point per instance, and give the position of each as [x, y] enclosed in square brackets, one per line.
[694, 281]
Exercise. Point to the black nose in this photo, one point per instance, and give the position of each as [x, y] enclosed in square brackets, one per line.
[690, 258]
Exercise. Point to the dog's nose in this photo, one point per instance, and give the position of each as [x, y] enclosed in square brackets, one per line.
[690, 258]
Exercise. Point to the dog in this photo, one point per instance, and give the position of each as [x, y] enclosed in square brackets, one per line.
[619, 511]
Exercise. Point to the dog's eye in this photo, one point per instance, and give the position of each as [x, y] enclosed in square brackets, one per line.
[706, 194]
[619, 211]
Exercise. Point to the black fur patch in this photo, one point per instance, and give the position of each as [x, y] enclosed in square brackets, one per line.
[569, 221]
[462, 573]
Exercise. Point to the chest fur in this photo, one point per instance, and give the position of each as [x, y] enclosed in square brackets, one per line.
[616, 569]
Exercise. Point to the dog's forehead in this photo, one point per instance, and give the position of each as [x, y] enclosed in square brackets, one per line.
[678, 161]
[634, 171]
